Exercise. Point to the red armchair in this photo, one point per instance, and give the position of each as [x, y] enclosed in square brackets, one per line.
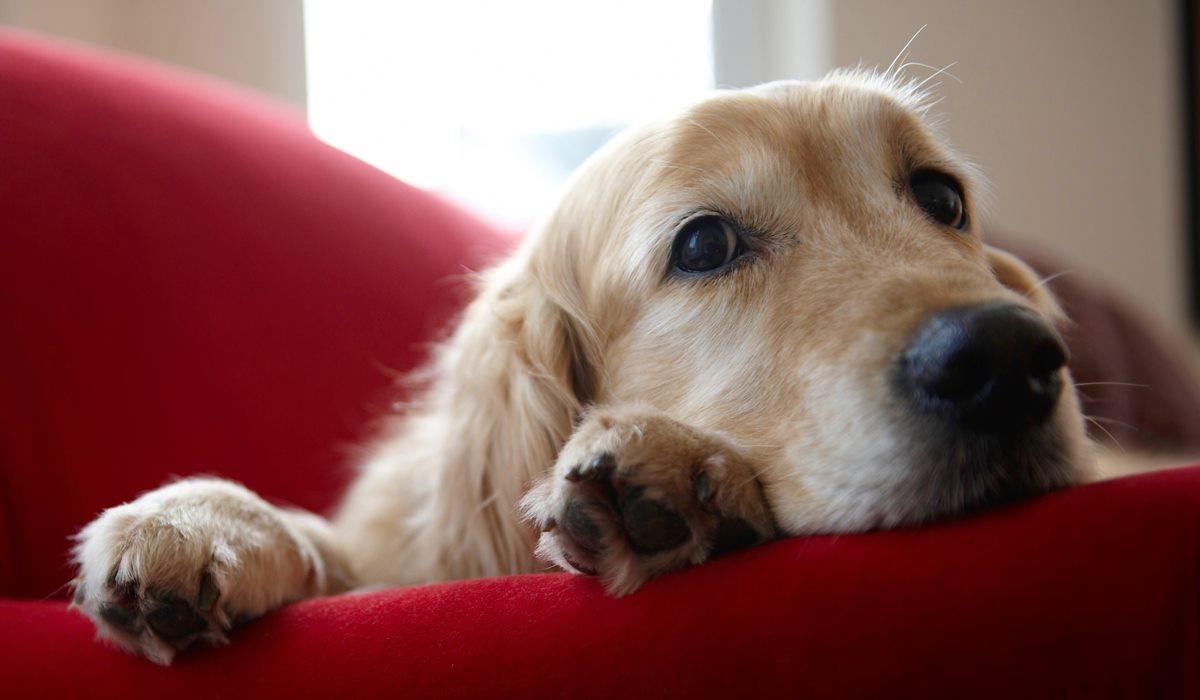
[190, 282]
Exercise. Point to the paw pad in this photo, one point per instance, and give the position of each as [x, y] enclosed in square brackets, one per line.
[652, 526]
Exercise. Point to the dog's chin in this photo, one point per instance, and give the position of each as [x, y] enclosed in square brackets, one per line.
[922, 471]
[952, 473]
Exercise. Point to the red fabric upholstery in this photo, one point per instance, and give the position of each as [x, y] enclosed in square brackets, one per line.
[1087, 593]
[190, 282]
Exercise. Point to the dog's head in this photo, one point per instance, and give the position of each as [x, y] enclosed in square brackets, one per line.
[799, 266]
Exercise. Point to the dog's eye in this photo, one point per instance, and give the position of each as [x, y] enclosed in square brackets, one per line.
[939, 197]
[706, 244]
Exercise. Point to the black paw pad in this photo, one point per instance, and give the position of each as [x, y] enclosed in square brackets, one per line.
[581, 568]
[173, 619]
[581, 528]
[121, 617]
[652, 526]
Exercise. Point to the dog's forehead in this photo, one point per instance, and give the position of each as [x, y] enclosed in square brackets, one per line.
[771, 156]
[838, 127]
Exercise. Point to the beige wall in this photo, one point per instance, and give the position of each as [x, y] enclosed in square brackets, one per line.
[259, 43]
[1070, 107]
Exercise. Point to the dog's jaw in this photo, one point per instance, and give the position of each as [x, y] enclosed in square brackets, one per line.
[889, 467]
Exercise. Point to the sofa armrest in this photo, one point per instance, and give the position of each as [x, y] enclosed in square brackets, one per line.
[1090, 592]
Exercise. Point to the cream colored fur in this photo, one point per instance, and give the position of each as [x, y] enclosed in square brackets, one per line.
[758, 396]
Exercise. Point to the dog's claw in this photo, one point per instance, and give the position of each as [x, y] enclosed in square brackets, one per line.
[600, 468]
[702, 483]
[209, 593]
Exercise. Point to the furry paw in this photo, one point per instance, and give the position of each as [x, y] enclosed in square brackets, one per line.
[635, 494]
[186, 563]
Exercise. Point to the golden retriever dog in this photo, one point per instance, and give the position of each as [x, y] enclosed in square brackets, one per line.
[769, 315]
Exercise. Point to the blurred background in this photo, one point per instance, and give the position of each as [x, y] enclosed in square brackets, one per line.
[1075, 109]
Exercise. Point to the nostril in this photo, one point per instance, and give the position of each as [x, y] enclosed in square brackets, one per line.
[1048, 356]
[1043, 382]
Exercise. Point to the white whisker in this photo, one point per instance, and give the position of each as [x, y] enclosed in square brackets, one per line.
[1114, 421]
[902, 53]
[1104, 430]
[941, 71]
[1046, 280]
[1136, 386]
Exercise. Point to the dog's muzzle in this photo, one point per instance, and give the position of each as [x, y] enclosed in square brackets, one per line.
[991, 368]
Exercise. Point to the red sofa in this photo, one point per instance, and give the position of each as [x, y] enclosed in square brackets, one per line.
[190, 282]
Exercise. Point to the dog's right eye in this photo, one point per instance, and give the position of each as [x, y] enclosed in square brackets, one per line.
[940, 197]
[706, 244]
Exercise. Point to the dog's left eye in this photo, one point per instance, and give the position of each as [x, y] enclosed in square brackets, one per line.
[940, 197]
[706, 244]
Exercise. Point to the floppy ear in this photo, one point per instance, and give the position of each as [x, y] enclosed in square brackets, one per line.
[502, 397]
[1012, 272]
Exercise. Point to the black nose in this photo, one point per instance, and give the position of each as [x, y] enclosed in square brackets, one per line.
[993, 367]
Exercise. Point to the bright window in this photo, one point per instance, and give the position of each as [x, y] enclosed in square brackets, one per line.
[494, 103]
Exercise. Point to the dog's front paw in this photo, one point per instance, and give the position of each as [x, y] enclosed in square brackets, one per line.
[635, 494]
[186, 563]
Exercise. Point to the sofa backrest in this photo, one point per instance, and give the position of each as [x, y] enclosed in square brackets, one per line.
[190, 282]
